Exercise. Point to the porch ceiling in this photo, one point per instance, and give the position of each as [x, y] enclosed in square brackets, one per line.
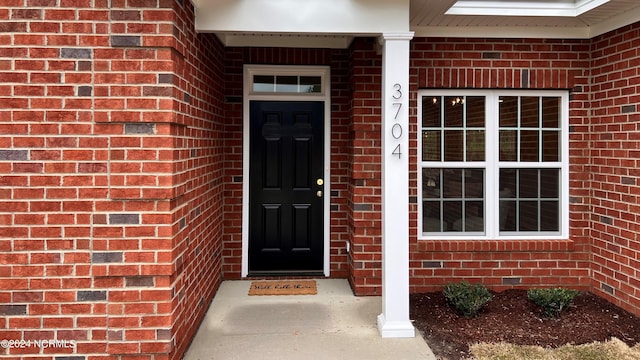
[554, 18]
[297, 23]
[333, 23]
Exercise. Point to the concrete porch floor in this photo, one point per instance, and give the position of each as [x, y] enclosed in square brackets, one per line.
[334, 324]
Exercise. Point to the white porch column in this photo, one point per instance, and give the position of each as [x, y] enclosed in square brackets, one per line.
[394, 320]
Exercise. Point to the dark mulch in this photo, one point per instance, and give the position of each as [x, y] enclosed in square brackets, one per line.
[511, 317]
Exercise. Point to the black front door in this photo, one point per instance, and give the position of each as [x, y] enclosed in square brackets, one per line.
[286, 189]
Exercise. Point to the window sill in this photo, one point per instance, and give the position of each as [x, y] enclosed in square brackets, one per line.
[486, 245]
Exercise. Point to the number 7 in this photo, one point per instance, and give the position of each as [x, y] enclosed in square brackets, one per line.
[399, 105]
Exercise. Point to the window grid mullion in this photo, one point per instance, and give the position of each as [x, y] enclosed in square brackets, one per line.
[442, 127]
[519, 129]
[441, 200]
[464, 138]
[540, 132]
[463, 202]
[517, 197]
[539, 201]
[492, 156]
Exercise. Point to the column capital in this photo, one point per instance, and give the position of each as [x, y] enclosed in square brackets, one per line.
[396, 36]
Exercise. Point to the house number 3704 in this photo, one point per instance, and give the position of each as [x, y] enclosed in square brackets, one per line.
[396, 129]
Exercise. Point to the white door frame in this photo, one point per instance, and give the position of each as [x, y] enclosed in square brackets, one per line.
[249, 95]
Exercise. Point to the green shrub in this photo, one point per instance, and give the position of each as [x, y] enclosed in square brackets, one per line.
[466, 298]
[553, 301]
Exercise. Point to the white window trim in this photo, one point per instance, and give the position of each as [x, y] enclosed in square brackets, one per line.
[492, 166]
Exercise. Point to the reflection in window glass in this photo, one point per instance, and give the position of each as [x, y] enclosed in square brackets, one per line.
[453, 145]
[453, 111]
[508, 145]
[529, 145]
[431, 145]
[550, 146]
[549, 215]
[310, 84]
[475, 145]
[431, 111]
[530, 112]
[475, 111]
[529, 200]
[262, 83]
[508, 111]
[287, 84]
[453, 128]
[453, 200]
[551, 112]
[528, 134]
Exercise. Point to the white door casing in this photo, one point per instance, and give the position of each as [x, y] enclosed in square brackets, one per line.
[248, 95]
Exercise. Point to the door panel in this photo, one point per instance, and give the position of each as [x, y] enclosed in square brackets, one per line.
[286, 215]
[272, 164]
[301, 230]
[271, 220]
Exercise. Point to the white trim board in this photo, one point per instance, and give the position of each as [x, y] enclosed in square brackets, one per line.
[303, 17]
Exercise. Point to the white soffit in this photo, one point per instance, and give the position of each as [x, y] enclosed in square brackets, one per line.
[285, 40]
[275, 20]
[557, 19]
[563, 8]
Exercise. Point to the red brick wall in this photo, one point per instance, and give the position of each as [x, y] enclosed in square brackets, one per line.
[111, 156]
[508, 64]
[200, 169]
[614, 166]
[478, 64]
[365, 186]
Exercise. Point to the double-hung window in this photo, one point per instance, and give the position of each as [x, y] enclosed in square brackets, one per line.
[493, 164]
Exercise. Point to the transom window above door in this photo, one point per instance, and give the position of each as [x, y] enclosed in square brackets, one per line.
[493, 164]
[287, 84]
[282, 81]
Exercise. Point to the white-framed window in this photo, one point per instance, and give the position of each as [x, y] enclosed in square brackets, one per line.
[287, 84]
[493, 164]
[279, 80]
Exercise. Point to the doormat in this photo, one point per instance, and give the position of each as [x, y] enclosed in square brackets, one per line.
[285, 287]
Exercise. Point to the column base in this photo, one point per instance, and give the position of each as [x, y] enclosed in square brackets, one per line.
[395, 329]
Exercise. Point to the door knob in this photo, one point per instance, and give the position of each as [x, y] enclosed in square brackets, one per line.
[319, 193]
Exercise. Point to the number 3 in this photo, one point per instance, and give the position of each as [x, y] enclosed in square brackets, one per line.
[397, 88]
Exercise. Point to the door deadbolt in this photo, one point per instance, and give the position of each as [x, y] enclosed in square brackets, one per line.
[320, 182]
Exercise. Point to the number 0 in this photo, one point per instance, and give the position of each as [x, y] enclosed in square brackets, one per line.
[396, 131]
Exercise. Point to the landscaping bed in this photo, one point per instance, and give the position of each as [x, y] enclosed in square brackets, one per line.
[510, 317]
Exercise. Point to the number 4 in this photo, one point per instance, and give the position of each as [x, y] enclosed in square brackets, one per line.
[397, 152]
